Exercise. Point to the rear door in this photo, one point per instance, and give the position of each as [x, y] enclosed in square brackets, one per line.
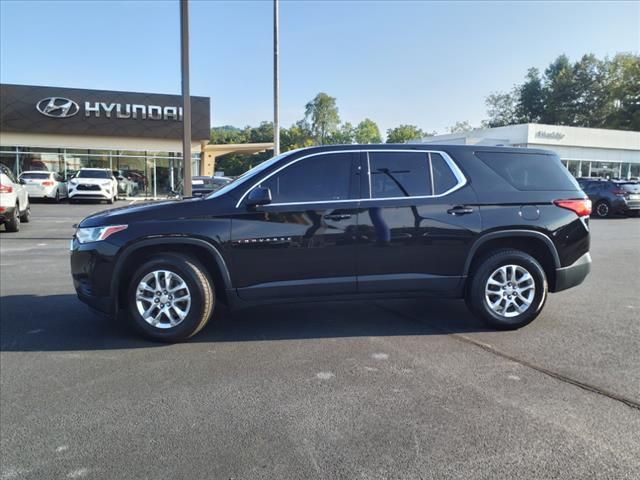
[303, 243]
[416, 224]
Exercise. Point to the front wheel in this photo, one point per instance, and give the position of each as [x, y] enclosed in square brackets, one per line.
[508, 289]
[170, 298]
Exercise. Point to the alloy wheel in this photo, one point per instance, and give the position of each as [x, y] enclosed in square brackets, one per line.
[163, 299]
[510, 291]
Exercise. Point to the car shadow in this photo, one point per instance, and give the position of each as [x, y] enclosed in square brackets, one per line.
[62, 323]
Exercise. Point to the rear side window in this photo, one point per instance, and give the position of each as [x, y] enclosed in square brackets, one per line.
[630, 187]
[443, 178]
[316, 179]
[530, 171]
[399, 174]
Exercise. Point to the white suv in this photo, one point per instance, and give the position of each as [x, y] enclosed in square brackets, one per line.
[93, 184]
[14, 201]
[43, 184]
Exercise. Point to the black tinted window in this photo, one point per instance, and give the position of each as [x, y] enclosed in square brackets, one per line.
[399, 174]
[530, 171]
[315, 179]
[443, 177]
[35, 176]
[93, 174]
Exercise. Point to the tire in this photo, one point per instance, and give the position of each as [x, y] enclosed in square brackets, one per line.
[57, 197]
[602, 209]
[111, 200]
[25, 217]
[505, 316]
[13, 224]
[199, 287]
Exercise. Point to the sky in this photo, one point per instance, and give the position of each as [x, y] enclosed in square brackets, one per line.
[397, 62]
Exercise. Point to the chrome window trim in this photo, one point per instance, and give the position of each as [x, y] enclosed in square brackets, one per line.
[462, 180]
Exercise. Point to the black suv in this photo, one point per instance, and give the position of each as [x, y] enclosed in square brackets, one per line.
[612, 196]
[499, 227]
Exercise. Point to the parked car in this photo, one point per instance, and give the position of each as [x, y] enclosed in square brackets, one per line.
[202, 186]
[93, 184]
[126, 185]
[14, 201]
[612, 197]
[45, 185]
[500, 227]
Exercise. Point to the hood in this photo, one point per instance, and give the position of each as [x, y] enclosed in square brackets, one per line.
[140, 212]
[91, 181]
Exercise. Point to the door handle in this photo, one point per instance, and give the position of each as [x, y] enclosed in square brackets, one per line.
[460, 210]
[337, 217]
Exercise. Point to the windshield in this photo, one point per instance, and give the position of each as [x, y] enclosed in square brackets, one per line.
[250, 174]
[93, 174]
[35, 176]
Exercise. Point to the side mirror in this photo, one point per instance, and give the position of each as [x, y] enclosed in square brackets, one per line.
[22, 181]
[259, 196]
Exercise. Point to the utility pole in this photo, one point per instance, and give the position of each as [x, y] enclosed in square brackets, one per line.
[186, 96]
[276, 82]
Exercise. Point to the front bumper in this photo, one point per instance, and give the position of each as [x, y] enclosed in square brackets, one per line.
[92, 267]
[574, 274]
[90, 195]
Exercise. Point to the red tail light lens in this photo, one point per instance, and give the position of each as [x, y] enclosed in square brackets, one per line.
[6, 188]
[619, 193]
[581, 207]
[47, 183]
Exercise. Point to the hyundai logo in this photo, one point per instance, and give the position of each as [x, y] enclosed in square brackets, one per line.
[57, 107]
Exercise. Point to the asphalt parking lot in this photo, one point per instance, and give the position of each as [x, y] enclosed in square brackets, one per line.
[354, 390]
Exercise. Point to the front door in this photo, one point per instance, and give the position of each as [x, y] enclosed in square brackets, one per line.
[303, 242]
[417, 224]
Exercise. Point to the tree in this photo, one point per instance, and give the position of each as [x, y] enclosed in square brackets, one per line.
[501, 109]
[321, 114]
[344, 135]
[622, 102]
[560, 93]
[227, 134]
[404, 134]
[461, 127]
[530, 102]
[367, 132]
[296, 136]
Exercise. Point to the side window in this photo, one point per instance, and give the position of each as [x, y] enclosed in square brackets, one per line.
[399, 174]
[443, 178]
[316, 179]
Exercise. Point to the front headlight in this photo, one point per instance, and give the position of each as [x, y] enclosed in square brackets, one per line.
[97, 234]
[73, 182]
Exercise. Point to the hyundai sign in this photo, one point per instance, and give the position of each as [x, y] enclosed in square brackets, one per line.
[32, 109]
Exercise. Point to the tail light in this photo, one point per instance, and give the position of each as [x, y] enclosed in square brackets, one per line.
[619, 193]
[6, 188]
[581, 207]
[47, 183]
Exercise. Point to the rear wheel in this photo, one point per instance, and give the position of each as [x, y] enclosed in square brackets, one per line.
[57, 197]
[170, 298]
[13, 224]
[508, 289]
[25, 217]
[602, 210]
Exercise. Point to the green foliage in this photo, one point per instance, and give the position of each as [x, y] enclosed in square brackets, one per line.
[321, 114]
[344, 135]
[460, 127]
[404, 134]
[367, 132]
[588, 93]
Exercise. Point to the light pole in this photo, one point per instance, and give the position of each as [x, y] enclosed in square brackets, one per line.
[186, 96]
[276, 82]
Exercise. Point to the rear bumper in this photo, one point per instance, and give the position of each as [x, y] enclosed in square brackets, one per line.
[574, 274]
[6, 213]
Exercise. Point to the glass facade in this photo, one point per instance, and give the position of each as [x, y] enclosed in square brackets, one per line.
[143, 173]
[612, 170]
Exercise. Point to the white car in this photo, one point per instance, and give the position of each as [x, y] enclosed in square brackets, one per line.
[93, 184]
[14, 201]
[41, 184]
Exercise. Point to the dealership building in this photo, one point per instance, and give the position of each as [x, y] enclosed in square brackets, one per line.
[586, 152]
[65, 129]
